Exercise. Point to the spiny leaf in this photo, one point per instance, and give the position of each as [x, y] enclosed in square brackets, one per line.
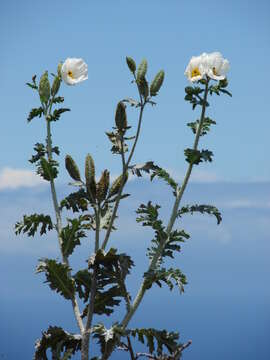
[156, 339]
[57, 113]
[207, 122]
[76, 201]
[83, 280]
[197, 156]
[57, 276]
[73, 232]
[30, 224]
[208, 209]
[47, 169]
[34, 113]
[170, 277]
[55, 338]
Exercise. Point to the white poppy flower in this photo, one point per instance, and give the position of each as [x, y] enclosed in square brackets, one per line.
[217, 66]
[74, 71]
[196, 68]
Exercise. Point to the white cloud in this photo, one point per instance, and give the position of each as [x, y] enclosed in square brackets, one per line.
[200, 176]
[16, 178]
[246, 204]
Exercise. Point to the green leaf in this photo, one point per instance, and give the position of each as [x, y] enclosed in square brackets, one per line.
[72, 168]
[83, 280]
[207, 122]
[58, 100]
[162, 174]
[57, 113]
[157, 83]
[115, 139]
[30, 224]
[197, 156]
[57, 276]
[156, 339]
[208, 209]
[73, 232]
[47, 169]
[41, 151]
[77, 201]
[34, 113]
[107, 338]
[171, 277]
[56, 339]
[112, 269]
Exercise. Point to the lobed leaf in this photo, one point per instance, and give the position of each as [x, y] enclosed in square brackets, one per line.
[31, 223]
[57, 276]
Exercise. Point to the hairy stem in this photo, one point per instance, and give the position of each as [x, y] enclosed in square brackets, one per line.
[124, 170]
[173, 216]
[90, 312]
[65, 261]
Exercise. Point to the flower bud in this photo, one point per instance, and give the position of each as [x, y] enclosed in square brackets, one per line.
[131, 64]
[59, 68]
[116, 185]
[141, 72]
[56, 85]
[44, 88]
[121, 116]
[90, 176]
[157, 83]
[103, 185]
[72, 168]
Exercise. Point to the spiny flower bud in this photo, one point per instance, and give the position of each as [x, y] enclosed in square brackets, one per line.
[116, 184]
[131, 64]
[141, 72]
[44, 88]
[121, 116]
[157, 83]
[90, 176]
[72, 168]
[59, 68]
[56, 85]
[103, 185]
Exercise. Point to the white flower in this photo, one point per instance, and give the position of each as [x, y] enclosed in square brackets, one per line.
[74, 71]
[212, 65]
[196, 68]
[217, 66]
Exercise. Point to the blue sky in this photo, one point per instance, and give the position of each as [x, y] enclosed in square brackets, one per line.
[225, 310]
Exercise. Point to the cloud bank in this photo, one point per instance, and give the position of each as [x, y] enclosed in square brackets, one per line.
[17, 178]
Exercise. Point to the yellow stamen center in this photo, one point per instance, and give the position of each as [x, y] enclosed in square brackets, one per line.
[70, 74]
[215, 71]
[195, 72]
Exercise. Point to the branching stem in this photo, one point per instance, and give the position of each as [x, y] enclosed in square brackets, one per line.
[180, 192]
[75, 306]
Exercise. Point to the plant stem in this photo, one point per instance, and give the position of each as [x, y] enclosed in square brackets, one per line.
[124, 170]
[173, 216]
[75, 305]
[90, 312]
